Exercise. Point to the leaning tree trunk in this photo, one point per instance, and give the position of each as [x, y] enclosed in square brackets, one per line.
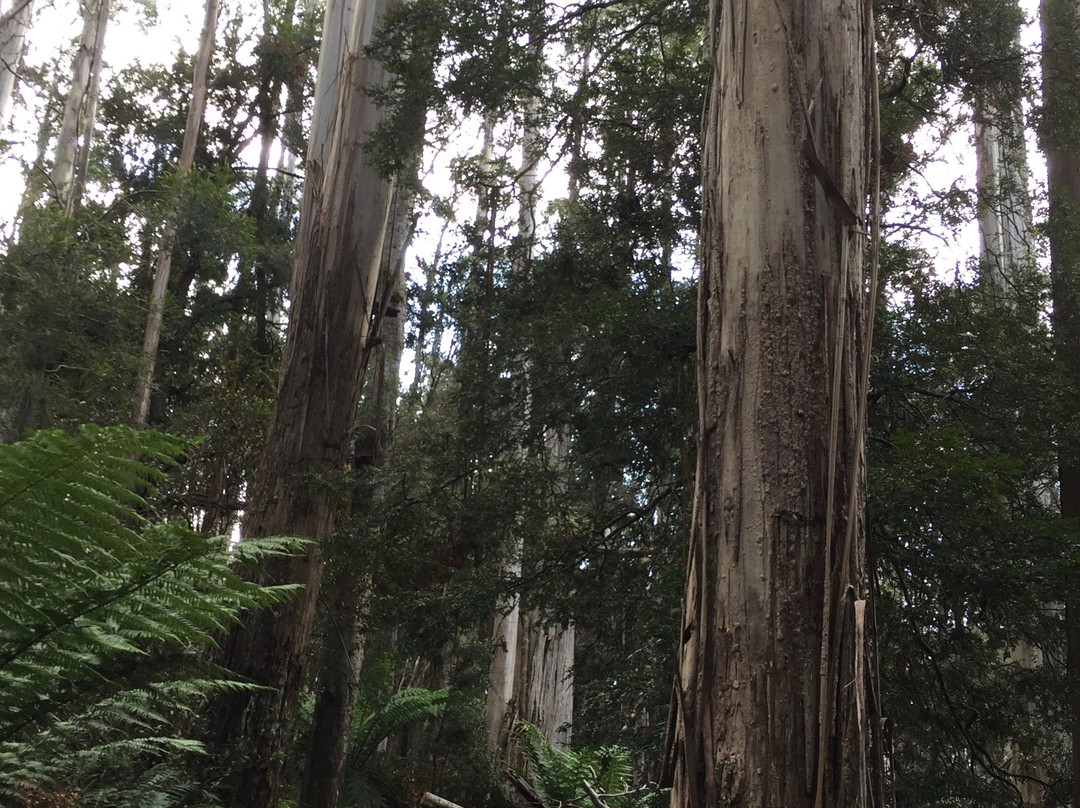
[348, 590]
[1059, 135]
[163, 267]
[14, 24]
[80, 107]
[773, 699]
[333, 289]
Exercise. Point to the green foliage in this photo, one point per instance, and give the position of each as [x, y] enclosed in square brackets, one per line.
[367, 785]
[968, 547]
[68, 330]
[104, 610]
[563, 778]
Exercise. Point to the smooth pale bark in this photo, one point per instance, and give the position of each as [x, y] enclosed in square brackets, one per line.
[348, 590]
[337, 23]
[80, 107]
[1004, 201]
[14, 25]
[333, 290]
[773, 694]
[1061, 93]
[531, 671]
[163, 266]
[502, 671]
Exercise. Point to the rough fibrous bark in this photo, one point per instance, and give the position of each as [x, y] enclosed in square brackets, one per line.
[333, 290]
[773, 701]
[547, 679]
[348, 590]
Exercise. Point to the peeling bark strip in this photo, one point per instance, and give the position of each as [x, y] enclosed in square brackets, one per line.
[333, 290]
[774, 707]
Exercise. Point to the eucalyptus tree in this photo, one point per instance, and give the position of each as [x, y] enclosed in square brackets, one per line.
[775, 692]
[163, 266]
[1060, 140]
[14, 25]
[80, 108]
[322, 369]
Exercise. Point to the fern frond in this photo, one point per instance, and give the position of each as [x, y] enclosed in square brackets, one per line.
[403, 708]
[102, 610]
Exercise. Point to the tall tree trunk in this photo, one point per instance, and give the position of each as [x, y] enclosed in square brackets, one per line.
[1059, 136]
[1004, 202]
[1002, 179]
[80, 108]
[348, 590]
[773, 694]
[196, 109]
[337, 23]
[333, 290]
[14, 24]
[268, 107]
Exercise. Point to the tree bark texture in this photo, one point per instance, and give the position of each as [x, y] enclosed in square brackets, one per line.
[502, 671]
[547, 679]
[1059, 136]
[14, 25]
[348, 590]
[80, 107]
[773, 695]
[333, 291]
[163, 265]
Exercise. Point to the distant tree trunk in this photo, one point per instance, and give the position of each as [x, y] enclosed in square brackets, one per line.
[546, 679]
[80, 108]
[268, 107]
[1004, 202]
[348, 589]
[1059, 136]
[14, 24]
[333, 290]
[774, 700]
[196, 109]
[502, 670]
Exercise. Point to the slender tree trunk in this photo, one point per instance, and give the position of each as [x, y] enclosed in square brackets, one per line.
[333, 290]
[77, 126]
[1004, 201]
[14, 25]
[268, 105]
[1059, 135]
[773, 696]
[348, 590]
[196, 109]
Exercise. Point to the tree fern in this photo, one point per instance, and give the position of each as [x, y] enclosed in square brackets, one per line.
[367, 785]
[559, 777]
[103, 609]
